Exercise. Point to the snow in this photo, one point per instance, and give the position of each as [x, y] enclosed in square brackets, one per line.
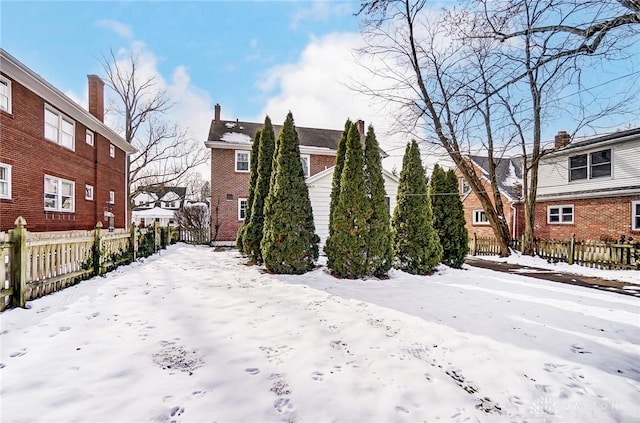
[194, 335]
[512, 179]
[230, 125]
[236, 137]
[154, 212]
[631, 276]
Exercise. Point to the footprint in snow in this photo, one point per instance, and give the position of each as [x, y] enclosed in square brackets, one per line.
[64, 328]
[282, 405]
[252, 371]
[20, 353]
[318, 376]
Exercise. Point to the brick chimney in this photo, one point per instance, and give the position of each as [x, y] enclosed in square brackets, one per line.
[360, 124]
[562, 139]
[96, 96]
[216, 112]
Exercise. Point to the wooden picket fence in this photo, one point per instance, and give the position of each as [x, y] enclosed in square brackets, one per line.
[34, 264]
[598, 254]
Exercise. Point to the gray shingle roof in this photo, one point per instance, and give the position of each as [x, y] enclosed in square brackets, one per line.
[225, 130]
[601, 138]
[508, 173]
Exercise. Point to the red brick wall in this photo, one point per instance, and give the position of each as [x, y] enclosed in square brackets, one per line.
[32, 156]
[594, 219]
[471, 203]
[224, 180]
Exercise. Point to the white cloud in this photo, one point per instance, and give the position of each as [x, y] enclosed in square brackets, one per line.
[316, 89]
[123, 30]
[319, 11]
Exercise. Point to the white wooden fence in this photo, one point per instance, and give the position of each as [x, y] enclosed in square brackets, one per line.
[33, 264]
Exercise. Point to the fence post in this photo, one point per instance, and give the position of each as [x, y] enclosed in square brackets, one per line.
[97, 250]
[572, 249]
[134, 243]
[156, 237]
[474, 244]
[18, 238]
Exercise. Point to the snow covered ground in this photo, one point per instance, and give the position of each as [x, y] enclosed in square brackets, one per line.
[193, 335]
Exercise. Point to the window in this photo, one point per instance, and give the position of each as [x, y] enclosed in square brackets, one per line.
[306, 164]
[5, 181]
[89, 137]
[5, 94]
[242, 208]
[465, 188]
[58, 194]
[635, 215]
[112, 150]
[112, 197]
[592, 165]
[88, 192]
[480, 217]
[58, 128]
[560, 214]
[242, 161]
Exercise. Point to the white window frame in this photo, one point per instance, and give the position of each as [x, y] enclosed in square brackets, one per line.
[88, 192]
[112, 151]
[240, 208]
[477, 217]
[6, 181]
[59, 127]
[561, 214]
[242, 152]
[635, 216]
[90, 137]
[112, 197]
[589, 165]
[5, 95]
[307, 170]
[465, 188]
[58, 193]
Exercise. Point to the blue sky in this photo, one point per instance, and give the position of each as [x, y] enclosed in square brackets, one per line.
[252, 57]
[226, 47]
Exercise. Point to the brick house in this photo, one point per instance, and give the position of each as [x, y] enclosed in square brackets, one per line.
[230, 143]
[590, 188]
[61, 167]
[509, 179]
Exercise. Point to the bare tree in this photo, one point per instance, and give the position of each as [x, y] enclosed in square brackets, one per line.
[488, 74]
[193, 216]
[166, 154]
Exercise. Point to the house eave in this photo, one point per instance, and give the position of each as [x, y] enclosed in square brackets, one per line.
[304, 149]
[570, 149]
[614, 192]
[35, 83]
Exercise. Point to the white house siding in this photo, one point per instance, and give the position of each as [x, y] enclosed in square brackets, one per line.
[553, 178]
[320, 196]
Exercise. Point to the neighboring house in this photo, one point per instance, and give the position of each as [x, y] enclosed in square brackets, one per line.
[230, 143]
[157, 204]
[509, 179]
[320, 195]
[61, 167]
[590, 188]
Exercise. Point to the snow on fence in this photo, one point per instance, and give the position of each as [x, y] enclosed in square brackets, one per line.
[34, 264]
[598, 254]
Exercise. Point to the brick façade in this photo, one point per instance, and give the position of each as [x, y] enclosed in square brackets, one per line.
[596, 219]
[31, 156]
[225, 181]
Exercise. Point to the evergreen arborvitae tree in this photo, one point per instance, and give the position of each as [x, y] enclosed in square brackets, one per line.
[448, 217]
[337, 174]
[347, 251]
[379, 248]
[415, 241]
[289, 244]
[242, 232]
[255, 225]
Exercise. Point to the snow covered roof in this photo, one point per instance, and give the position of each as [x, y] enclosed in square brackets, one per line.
[154, 212]
[508, 174]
